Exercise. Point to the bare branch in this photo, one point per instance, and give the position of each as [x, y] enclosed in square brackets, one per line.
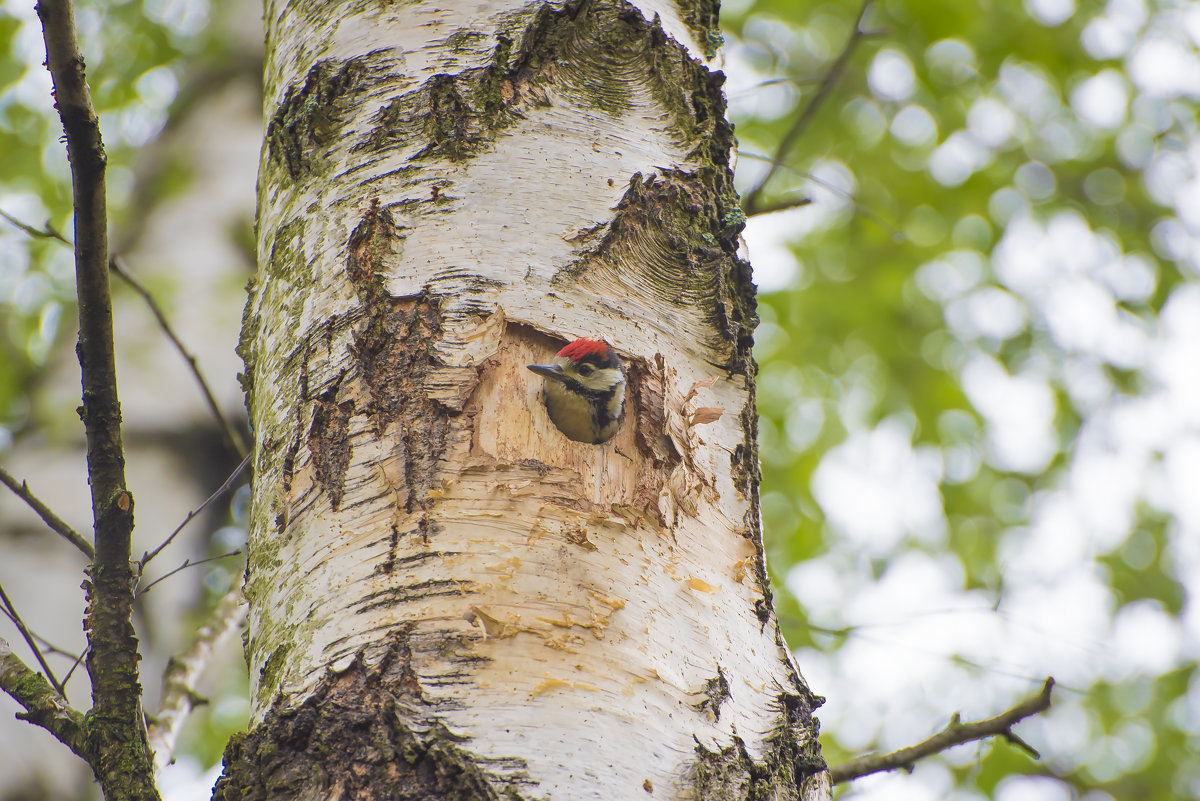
[116, 730]
[955, 734]
[11, 611]
[233, 439]
[237, 471]
[56, 523]
[44, 706]
[753, 202]
[186, 564]
[184, 671]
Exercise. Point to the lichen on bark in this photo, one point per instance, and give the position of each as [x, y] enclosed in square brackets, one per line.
[779, 774]
[309, 116]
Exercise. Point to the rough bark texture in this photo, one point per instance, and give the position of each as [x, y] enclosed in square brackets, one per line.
[449, 598]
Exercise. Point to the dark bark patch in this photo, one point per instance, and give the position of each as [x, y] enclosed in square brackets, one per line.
[598, 56]
[716, 692]
[364, 734]
[764, 609]
[425, 527]
[660, 220]
[604, 55]
[389, 564]
[703, 17]
[371, 242]
[329, 444]
[452, 127]
[394, 350]
[396, 359]
[289, 465]
[455, 116]
[310, 115]
[792, 756]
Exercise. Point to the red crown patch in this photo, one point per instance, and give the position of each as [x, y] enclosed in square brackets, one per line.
[581, 348]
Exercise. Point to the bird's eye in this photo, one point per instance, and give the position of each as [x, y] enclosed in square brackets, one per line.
[585, 369]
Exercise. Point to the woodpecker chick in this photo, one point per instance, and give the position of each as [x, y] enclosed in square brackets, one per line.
[585, 390]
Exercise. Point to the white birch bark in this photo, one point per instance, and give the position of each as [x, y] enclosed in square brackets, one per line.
[448, 193]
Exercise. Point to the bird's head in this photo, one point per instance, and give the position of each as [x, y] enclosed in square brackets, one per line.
[585, 390]
[589, 365]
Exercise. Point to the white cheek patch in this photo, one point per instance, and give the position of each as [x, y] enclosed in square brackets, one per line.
[599, 382]
[619, 397]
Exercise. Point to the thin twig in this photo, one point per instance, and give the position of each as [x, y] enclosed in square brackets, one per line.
[56, 523]
[184, 672]
[228, 483]
[783, 204]
[186, 564]
[859, 207]
[44, 705]
[954, 734]
[77, 663]
[47, 646]
[753, 199]
[48, 232]
[29, 640]
[233, 439]
[783, 79]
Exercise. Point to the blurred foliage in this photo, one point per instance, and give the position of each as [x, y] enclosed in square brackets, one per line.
[961, 355]
[149, 63]
[145, 61]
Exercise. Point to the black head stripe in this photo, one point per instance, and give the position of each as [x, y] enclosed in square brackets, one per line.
[600, 360]
[593, 395]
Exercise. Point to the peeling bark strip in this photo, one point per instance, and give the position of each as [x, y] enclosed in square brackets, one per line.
[449, 599]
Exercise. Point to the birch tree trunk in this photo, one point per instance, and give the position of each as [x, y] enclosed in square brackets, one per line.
[449, 599]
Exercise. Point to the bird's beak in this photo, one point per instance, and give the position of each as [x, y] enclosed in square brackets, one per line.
[548, 370]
